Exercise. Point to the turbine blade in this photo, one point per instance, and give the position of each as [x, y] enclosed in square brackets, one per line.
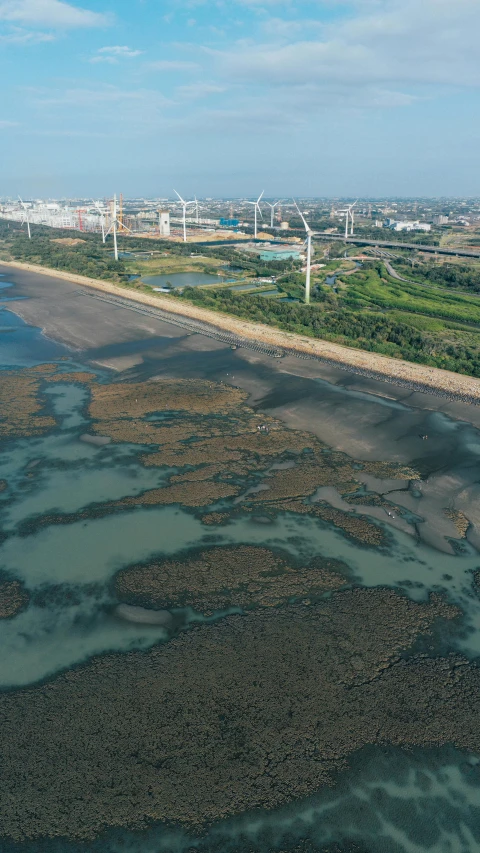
[180, 197]
[260, 197]
[307, 229]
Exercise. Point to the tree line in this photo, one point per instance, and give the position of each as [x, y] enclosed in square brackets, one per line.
[368, 330]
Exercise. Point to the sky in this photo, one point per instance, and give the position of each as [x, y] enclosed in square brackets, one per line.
[318, 98]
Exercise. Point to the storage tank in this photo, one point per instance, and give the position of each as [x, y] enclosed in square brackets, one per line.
[284, 226]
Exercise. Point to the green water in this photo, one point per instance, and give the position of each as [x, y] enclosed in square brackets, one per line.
[182, 279]
[389, 801]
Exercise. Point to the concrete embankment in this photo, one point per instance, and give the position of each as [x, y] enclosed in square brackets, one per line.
[268, 339]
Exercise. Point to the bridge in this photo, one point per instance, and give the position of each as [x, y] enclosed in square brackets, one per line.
[390, 244]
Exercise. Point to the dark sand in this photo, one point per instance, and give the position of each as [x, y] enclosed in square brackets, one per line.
[365, 418]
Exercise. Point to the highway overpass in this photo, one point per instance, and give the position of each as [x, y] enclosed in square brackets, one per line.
[390, 244]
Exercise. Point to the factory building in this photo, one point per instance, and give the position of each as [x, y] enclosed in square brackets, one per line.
[407, 226]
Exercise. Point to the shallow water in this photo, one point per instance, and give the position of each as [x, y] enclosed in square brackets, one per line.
[23, 346]
[389, 800]
[182, 279]
[93, 551]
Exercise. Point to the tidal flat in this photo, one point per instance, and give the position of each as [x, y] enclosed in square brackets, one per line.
[239, 603]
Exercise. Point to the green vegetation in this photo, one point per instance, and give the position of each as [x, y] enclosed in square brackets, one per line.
[80, 254]
[424, 327]
[427, 319]
[372, 287]
[454, 276]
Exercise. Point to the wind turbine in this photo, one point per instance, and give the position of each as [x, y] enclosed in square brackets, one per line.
[352, 218]
[256, 205]
[25, 218]
[349, 214]
[102, 220]
[309, 255]
[273, 206]
[113, 227]
[185, 205]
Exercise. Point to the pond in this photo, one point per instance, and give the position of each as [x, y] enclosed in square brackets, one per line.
[182, 279]
[245, 287]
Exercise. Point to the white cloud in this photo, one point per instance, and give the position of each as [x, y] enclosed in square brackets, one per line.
[91, 108]
[172, 65]
[50, 13]
[79, 96]
[17, 35]
[4, 123]
[196, 91]
[114, 53]
[383, 43]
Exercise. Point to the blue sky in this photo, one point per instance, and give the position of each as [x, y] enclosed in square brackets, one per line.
[325, 98]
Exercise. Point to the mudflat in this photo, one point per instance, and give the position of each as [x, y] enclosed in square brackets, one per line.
[418, 377]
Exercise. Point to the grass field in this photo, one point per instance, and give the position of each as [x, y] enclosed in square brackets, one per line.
[170, 264]
[367, 289]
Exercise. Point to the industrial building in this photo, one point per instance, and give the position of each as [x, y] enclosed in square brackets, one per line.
[164, 223]
[404, 225]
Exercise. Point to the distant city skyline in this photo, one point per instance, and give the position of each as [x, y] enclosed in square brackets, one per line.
[368, 98]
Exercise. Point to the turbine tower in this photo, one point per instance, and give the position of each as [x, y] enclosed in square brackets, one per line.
[102, 220]
[197, 208]
[352, 218]
[185, 205]
[25, 218]
[256, 205]
[349, 215]
[113, 227]
[309, 255]
[272, 206]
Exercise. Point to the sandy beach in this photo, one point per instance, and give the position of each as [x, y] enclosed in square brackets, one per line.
[416, 376]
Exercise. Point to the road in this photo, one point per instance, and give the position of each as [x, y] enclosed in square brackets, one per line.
[395, 274]
[435, 250]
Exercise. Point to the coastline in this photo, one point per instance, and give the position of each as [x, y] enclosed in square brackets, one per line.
[408, 374]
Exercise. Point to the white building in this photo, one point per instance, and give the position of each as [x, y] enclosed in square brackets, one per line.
[164, 223]
[404, 225]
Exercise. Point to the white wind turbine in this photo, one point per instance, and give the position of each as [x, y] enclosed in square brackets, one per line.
[273, 206]
[102, 220]
[352, 218]
[256, 205]
[25, 218]
[309, 255]
[185, 205]
[113, 227]
[349, 215]
[197, 208]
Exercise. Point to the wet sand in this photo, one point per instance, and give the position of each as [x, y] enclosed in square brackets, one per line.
[413, 376]
[71, 621]
[368, 419]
